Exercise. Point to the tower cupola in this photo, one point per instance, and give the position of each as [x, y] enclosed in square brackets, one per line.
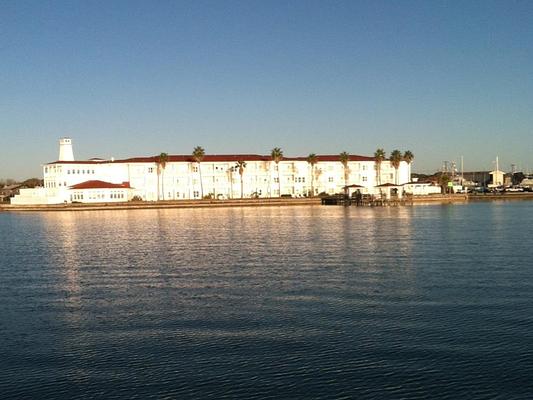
[65, 149]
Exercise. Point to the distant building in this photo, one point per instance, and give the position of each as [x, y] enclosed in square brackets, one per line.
[180, 177]
[527, 182]
[420, 188]
[497, 178]
[9, 191]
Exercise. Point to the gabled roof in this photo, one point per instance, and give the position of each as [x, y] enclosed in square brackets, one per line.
[100, 185]
[213, 158]
[388, 185]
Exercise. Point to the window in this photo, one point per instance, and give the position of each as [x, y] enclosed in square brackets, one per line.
[330, 179]
[364, 167]
[68, 171]
[276, 180]
[194, 169]
[196, 193]
[150, 170]
[364, 179]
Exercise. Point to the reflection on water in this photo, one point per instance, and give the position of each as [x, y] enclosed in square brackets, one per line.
[294, 302]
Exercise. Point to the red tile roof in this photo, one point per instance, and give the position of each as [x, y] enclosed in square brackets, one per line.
[100, 185]
[212, 158]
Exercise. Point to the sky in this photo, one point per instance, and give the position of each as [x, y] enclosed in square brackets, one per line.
[443, 79]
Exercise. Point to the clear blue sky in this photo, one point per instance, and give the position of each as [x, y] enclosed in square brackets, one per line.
[440, 78]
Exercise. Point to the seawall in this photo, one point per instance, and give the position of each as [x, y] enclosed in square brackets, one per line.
[429, 199]
[134, 205]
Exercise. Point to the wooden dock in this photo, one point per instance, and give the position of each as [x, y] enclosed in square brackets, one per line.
[367, 200]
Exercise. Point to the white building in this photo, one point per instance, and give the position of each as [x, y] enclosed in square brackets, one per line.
[217, 176]
[497, 176]
[417, 188]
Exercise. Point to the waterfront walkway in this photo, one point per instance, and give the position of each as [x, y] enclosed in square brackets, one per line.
[329, 200]
[133, 205]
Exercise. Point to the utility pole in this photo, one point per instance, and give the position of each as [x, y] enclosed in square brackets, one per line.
[462, 170]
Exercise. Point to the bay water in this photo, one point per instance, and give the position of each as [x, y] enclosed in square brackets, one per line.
[304, 302]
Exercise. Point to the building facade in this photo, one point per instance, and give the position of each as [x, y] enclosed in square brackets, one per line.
[180, 177]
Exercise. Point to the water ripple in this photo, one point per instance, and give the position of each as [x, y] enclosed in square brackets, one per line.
[269, 303]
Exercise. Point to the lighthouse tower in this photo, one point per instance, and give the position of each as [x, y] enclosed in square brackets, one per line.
[65, 150]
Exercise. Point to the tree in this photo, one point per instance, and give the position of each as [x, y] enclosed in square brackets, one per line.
[517, 178]
[32, 183]
[162, 160]
[277, 155]
[395, 160]
[379, 156]
[408, 157]
[240, 167]
[444, 179]
[312, 160]
[198, 155]
[344, 157]
[7, 182]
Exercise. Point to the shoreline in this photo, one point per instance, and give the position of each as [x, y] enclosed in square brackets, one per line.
[142, 205]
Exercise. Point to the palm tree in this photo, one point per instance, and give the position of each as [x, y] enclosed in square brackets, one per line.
[162, 160]
[277, 155]
[408, 157]
[395, 159]
[240, 166]
[344, 157]
[379, 155]
[198, 155]
[312, 160]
